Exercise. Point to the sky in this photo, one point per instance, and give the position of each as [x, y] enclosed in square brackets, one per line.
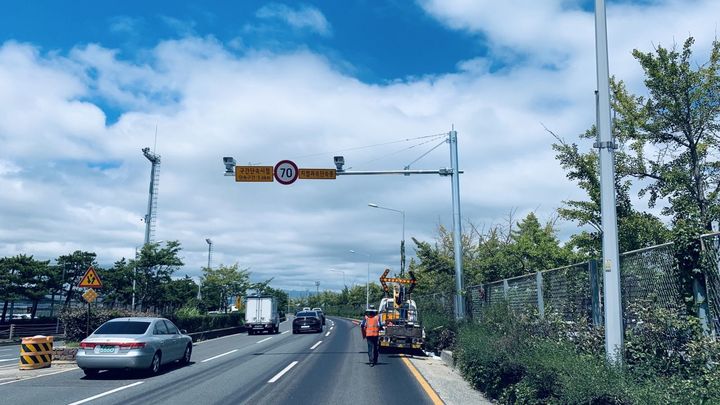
[85, 85]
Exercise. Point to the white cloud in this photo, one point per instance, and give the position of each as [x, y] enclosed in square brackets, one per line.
[77, 182]
[304, 17]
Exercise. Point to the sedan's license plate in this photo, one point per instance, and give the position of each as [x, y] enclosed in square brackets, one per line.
[305, 327]
[107, 349]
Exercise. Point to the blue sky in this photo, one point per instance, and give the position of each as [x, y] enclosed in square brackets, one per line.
[381, 41]
[85, 85]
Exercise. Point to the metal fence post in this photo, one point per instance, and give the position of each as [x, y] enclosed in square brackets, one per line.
[12, 331]
[540, 298]
[595, 293]
[506, 288]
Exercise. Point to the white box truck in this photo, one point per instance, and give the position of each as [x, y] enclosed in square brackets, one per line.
[261, 314]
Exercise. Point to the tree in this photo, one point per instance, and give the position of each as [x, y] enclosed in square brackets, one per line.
[635, 229]
[535, 247]
[153, 269]
[674, 137]
[223, 282]
[9, 284]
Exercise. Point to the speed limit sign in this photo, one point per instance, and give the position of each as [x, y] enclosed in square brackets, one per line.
[286, 172]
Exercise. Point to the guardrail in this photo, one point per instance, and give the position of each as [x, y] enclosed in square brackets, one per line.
[13, 331]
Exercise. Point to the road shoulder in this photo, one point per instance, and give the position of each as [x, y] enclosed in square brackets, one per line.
[447, 382]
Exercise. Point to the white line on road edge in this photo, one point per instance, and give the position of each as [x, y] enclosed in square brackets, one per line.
[331, 328]
[315, 345]
[41, 375]
[327, 334]
[106, 393]
[219, 355]
[260, 341]
[285, 332]
[8, 359]
[282, 373]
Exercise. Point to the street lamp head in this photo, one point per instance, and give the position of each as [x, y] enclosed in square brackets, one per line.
[209, 242]
[372, 205]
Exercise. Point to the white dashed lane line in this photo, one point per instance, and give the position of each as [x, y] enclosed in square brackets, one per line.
[327, 334]
[264, 340]
[316, 345]
[106, 393]
[219, 355]
[285, 332]
[280, 374]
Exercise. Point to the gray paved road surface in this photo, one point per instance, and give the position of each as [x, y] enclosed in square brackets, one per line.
[326, 368]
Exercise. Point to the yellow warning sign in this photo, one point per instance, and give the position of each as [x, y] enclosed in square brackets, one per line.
[254, 173]
[90, 279]
[90, 295]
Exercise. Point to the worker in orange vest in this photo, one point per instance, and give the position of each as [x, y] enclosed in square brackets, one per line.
[370, 327]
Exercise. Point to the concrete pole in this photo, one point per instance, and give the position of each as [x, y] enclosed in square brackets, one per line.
[457, 230]
[611, 259]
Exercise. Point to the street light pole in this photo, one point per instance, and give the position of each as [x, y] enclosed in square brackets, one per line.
[343, 273]
[367, 283]
[210, 244]
[132, 306]
[402, 242]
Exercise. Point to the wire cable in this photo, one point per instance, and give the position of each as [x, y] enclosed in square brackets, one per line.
[372, 146]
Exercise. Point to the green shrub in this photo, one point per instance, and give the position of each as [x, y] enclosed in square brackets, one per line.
[76, 320]
[199, 323]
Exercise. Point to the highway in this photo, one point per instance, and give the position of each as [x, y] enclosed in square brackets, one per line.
[318, 368]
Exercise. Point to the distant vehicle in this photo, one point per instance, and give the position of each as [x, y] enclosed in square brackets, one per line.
[306, 321]
[21, 316]
[261, 314]
[306, 309]
[133, 343]
[322, 314]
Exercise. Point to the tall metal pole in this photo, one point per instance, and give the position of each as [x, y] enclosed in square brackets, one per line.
[210, 244]
[611, 262]
[457, 230]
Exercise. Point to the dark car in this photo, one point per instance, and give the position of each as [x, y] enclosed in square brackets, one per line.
[306, 321]
[322, 314]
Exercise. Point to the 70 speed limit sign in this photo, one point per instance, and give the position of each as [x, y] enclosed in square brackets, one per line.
[286, 172]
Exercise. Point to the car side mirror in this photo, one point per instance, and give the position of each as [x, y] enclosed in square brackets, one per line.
[183, 331]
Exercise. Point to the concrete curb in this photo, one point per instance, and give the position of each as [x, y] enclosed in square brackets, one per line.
[447, 358]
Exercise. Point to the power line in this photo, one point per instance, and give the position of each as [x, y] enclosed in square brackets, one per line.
[372, 146]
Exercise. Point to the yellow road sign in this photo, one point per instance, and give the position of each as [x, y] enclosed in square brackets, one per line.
[90, 279]
[318, 174]
[254, 173]
[90, 295]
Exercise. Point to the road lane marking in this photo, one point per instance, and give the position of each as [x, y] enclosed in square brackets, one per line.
[282, 373]
[106, 393]
[266, 339]
[9, 359]
[434, 397]
[331, 328]
[219, 355]
[315, 345]
[327, 334]
[41, 375]
[285, 332]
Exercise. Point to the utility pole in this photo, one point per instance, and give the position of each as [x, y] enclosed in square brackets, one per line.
[606, 144]
[152, 197]
[317, 288]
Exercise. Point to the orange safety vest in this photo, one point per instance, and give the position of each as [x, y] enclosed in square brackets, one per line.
[372, 326]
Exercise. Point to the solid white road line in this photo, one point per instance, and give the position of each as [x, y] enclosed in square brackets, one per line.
[266, 339]
[285, 332]
[41, 375]
[327, 334]
[315, 345]
[9, 359]
[219, 355]
[285, 370]
[106, 393]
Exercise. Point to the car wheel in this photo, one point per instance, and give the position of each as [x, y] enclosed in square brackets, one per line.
[91, 372]
[186, 356]
[155, 364]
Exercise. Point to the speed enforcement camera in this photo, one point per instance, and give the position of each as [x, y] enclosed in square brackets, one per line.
[229, 165]
[339, 163]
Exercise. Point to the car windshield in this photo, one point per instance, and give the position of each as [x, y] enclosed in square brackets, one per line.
[306, 314]
[123, 328]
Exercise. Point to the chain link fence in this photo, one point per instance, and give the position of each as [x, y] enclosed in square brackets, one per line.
[647, 276]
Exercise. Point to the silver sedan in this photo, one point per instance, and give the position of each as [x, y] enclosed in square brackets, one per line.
[133, 343]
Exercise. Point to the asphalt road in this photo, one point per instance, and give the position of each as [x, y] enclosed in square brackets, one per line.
[326, 368]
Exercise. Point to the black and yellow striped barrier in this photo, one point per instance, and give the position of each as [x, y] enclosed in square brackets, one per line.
[36, 352]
